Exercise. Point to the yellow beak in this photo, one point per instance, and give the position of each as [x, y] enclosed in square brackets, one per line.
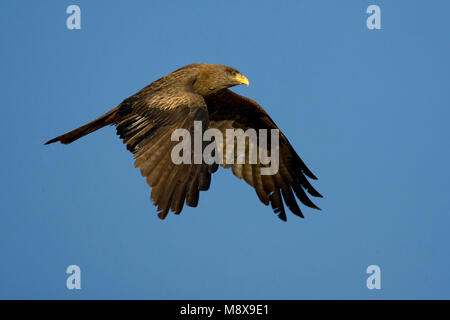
[242, 80]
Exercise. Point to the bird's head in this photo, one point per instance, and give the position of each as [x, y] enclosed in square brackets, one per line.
[212, 78]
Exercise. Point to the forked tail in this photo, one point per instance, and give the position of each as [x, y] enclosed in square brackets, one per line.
[106, 119]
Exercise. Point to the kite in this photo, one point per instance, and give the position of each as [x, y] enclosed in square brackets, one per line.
[199, 94]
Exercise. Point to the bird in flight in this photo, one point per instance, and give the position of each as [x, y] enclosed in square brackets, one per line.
[199, 93]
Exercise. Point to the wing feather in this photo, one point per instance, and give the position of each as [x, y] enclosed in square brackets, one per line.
[228, 110]
[145, 123]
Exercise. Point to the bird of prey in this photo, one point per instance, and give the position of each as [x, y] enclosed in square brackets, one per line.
[199, 92]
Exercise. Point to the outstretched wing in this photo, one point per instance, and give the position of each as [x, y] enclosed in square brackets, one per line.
[228, 110]
[145, 123]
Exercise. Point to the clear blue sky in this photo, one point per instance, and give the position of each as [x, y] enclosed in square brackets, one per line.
[367, 110]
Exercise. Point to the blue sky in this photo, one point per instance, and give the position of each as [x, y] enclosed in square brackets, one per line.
[367, 110]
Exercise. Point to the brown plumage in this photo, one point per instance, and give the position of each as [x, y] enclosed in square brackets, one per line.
[199, 92]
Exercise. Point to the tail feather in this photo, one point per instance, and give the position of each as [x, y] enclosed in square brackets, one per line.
[106, 119]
